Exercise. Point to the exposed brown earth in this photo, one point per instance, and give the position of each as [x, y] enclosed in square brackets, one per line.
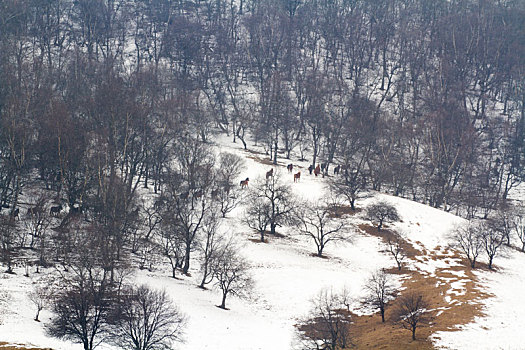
[451, 306]
[346, 210]
[11, 346]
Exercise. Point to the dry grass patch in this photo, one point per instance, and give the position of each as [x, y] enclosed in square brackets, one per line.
[340, 210]
[386, 235]
[261, 160]
[11, 346]
[451, 306]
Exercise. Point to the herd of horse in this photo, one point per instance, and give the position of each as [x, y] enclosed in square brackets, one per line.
[317, 170]
[54, 211]
[322, 168]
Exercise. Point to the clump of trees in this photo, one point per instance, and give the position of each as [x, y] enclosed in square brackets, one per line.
[94, 107]
[140, 81]
[474, 238]
[82, 306]
[327, 324]
[90, 305]
[271, 204]
[146, 319]
[382, 212]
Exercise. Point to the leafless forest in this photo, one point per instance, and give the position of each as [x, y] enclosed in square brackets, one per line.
[423, 99]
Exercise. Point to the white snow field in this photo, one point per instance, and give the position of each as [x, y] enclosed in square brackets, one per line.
[287, 277]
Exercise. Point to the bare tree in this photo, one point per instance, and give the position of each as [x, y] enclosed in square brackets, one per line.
[146, 319]
[395, 248]
[381, 212]
[468, 239]
[271, 204]
[349, 186]
[40, 296]
[256, 215]
[229, 169]
[225, 191]
[380, 290]
[321, 227]
[37, 222]
[82, 305]
[519, 228]
[412, 312]
[7, 240]
[231, 273]
[172, 245]
[152, 218]
[327, 325]
[492, 241]
[228, 198]
[186, 209]
[502, 221]
[210, 246]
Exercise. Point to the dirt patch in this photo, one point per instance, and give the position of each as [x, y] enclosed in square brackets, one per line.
[262, 160]
[11, 346]
[340, 210]
[259, 157]
[267, 237]
[326, 257]
[453, 293]
[258, 240]
[387, 235]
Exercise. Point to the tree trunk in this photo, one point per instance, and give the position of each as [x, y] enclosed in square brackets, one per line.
[203, 282]
[186, 260]
[383, 314]
[413, 333]
[223, 303]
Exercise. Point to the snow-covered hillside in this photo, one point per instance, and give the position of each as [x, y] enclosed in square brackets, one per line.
[287, 276]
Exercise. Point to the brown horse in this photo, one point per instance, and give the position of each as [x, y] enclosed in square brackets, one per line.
[297, 177]
[269, 174]
[290, 167]
[244, 183]
[317, 170]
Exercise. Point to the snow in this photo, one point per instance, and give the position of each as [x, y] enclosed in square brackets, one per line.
[287, 277]
[16, 320]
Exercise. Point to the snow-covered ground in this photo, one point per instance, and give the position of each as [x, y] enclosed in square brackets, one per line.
[287, 277]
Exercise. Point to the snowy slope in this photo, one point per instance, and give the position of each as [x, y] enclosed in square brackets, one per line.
[287, 276]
